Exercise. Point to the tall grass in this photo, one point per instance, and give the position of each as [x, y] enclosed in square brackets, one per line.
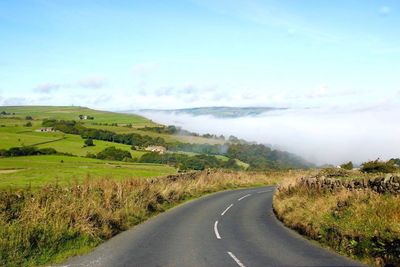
[43, 226]
[361, 224]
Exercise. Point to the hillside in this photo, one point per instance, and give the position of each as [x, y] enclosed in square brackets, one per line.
[60, 135]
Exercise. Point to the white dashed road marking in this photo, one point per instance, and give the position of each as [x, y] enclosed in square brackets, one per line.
[230, 206]
[244, 197]
[216, 230]
[236, 259]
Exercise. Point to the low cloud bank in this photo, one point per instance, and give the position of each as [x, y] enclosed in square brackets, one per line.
[321, 136]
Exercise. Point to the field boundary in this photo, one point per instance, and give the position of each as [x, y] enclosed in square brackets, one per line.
[47, 142]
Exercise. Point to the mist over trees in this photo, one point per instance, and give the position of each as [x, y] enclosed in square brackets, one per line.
[258, 156]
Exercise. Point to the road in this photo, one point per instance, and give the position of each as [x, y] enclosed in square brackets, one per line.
[230, 228]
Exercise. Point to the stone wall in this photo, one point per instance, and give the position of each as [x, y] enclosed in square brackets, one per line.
[388, 183]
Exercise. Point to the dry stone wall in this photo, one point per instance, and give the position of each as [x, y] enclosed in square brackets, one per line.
[388, 183]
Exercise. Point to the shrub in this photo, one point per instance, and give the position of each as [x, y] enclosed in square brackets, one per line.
[112, 153]
[347, 166]
[377, 166]
[47, 151]
[89, 142]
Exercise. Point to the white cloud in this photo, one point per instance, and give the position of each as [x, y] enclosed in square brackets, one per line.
[384, 10]
[15, 101]
[93, 82]
[90, 82]
[47, 88]
[145, 68]
[322, 91]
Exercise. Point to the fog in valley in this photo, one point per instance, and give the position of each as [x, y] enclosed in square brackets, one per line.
[321, 136]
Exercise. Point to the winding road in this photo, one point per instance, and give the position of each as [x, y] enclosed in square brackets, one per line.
[230, 228]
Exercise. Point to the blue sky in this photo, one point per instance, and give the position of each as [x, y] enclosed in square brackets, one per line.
[123, 55]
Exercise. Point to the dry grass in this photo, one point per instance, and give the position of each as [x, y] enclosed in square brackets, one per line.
[361, 224]
[42, 226]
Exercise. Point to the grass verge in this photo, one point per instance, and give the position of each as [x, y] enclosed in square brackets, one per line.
[361, 224]
[39, 227]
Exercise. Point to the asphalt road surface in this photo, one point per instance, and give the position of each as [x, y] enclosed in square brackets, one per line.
[231, 228]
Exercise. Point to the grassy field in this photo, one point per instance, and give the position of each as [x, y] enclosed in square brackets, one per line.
[72, 113]
[12, 136]
[167, 137]
[38, 171]
[362, 224]
[65, 143]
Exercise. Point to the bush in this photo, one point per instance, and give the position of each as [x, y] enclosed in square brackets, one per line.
[28, 124]
[377, 166]
[347, 166]
[112, 153]
[47, 151]
[89, 142]
[396, 161]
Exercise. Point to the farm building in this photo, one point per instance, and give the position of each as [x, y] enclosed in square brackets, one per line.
[157, 149]
[85, 117]
[46, 130]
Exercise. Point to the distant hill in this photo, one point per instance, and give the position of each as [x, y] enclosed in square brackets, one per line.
[219, 112]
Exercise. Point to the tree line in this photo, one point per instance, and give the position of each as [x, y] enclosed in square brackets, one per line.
[261, 157]
[185, 162]
[27, 151]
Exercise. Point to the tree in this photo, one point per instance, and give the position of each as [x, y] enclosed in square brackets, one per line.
[28, 124]
[28, 118]
[89, 142]
[347, 166]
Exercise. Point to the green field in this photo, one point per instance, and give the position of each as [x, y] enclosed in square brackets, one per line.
[40, 170]
[65, 143]
[72, 113]
[167, 137]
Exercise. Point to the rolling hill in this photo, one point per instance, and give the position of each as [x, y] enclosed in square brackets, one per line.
[21, 128]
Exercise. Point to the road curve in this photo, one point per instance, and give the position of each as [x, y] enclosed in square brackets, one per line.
[230, 228]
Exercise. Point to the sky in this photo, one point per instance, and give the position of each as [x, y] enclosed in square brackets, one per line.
[124, 55]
